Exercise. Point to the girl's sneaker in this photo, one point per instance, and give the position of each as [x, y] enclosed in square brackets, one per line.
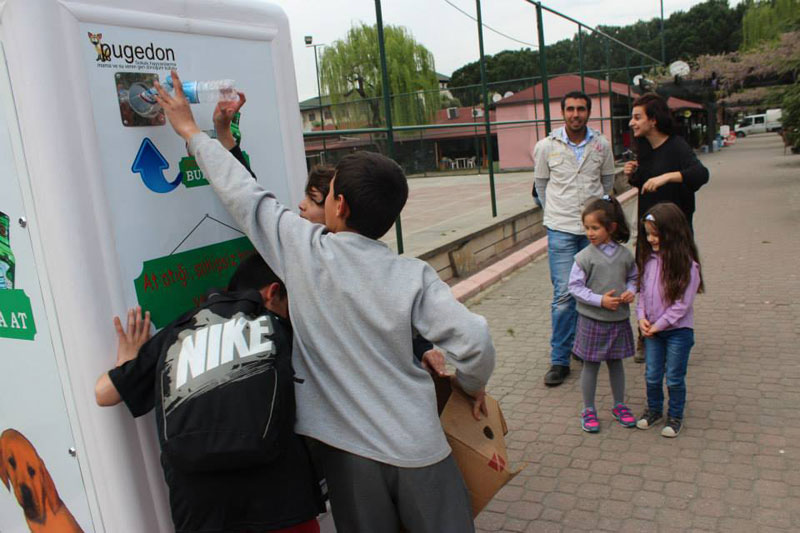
[589, 420]
[624, 415]
[672, 427]
[649, 419]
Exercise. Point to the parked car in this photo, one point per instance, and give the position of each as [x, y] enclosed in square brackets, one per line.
[761, 123]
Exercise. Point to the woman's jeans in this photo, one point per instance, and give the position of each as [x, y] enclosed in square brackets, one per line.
[667, 352]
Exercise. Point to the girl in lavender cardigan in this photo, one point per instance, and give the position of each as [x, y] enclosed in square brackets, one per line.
[669, 278]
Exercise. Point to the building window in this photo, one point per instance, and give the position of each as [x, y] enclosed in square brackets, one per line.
[327, 114]
[312, 117]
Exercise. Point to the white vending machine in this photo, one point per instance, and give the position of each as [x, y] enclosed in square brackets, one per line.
[102, 209]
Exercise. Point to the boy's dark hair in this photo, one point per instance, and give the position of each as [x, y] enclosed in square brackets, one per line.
[375, 189]
[254, 273]
[577, 94]
[320, 179]
[656, 108]
[609, 212]
[676, 247]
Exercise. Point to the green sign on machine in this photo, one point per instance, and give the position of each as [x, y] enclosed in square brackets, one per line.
[191, 174]
[16, 315]
[172, 285]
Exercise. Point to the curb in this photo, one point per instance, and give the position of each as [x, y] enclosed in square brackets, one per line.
[480, 281]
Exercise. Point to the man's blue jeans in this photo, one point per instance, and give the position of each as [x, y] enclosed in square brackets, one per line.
[668, 352]
[561, 250]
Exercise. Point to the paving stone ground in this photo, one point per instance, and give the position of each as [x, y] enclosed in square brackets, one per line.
[736, 465]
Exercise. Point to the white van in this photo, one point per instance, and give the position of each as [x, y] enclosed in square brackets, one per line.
[764, 122]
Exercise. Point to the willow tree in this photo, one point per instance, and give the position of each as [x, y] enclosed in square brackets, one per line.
[351, 75]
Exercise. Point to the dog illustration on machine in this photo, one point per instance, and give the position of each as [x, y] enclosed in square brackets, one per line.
[24, 473]
[96, 39]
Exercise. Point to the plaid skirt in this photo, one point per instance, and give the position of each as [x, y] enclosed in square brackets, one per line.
[600, 341]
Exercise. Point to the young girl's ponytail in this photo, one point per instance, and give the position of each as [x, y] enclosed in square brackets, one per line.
[611, 213]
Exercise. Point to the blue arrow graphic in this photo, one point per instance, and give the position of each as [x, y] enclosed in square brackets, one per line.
[150, 164]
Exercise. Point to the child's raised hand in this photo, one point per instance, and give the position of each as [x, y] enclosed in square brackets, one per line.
[433, 361]
[644, 327]
[177, 109]
[225, 111]
[610, 301]
[627, 297]
[131, 340]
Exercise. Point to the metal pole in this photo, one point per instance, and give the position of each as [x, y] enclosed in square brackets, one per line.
[319, 96]
[663, 48]
[628, 78]
[489, 151]
[610, 96]
[543, 69]
[580, 56]
[387, 106]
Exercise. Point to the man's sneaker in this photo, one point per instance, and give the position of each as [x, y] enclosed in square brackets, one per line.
[556, 375]
[589, 420]
[624, 415]
[672, 427]
[649, 419]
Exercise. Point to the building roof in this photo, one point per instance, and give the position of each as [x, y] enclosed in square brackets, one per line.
[442, 77]
[310, 104]
[561, 85]
[680, 103]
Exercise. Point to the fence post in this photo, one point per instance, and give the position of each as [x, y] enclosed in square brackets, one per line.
[489, 151]
[610, 95]
[580, 56]
[387, 105]
[543, 69]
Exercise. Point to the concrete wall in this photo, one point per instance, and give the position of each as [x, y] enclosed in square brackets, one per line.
[469, 254]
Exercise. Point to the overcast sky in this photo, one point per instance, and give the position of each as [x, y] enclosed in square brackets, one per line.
[449, 34]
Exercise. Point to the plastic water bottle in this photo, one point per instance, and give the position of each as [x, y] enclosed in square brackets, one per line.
[207, 92]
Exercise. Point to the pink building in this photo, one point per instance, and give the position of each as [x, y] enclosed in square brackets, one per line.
[516, 141]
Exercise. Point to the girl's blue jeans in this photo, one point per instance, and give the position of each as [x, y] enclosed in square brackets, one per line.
[667, 352]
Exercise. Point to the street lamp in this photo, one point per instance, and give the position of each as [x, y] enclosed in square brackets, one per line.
[309, 39]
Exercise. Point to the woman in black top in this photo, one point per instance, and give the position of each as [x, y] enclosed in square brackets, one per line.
[666, 169]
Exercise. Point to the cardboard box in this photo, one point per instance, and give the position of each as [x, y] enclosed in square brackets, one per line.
[479, 446]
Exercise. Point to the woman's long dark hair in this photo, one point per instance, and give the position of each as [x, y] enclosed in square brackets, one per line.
[656, 108]
[676, 247]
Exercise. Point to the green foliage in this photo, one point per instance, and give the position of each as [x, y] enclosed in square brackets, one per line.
[351, 74]
[765, 20]
[712, 27]
[791, 115]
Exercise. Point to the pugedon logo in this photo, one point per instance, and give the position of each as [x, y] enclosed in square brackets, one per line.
[128, 52]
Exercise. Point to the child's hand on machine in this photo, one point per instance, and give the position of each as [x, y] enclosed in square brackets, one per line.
[223, 116]
[626, 297]
[434, 362]
[610, 301]
[137, 334]
[177, 109]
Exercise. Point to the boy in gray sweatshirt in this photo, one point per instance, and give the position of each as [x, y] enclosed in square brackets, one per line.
[354, 306]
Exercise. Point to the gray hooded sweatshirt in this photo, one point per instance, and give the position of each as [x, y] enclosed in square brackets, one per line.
[354, 306]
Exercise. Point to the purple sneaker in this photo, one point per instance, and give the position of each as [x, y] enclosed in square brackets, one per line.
[589, 420]
[624, 415]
